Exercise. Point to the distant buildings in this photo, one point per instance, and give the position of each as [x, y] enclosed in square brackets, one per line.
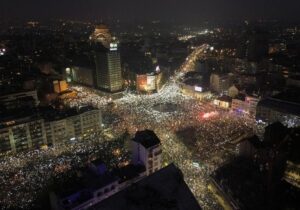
[19, 99]
[220, 82]
[283, 107]
[223, 102]
[102, 35]
[193, 85]
[149, 83]
[99, 66]
[245, 104]
[233, 91]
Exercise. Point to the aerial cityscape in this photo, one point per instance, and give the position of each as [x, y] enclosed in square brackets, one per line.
[149, 105]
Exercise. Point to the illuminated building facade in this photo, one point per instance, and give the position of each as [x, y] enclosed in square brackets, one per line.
[108, 62]
[30, 131]
[149, 83]
[22, 134]
[60, 86]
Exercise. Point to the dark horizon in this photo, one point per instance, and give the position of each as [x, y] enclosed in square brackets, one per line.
[188, 11]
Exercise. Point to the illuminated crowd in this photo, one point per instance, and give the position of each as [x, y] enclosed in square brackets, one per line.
[25, 175]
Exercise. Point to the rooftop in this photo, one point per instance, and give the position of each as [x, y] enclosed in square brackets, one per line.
[147, 138]
[128, 172]
[225, 98]
[281, 106]
[165, 189]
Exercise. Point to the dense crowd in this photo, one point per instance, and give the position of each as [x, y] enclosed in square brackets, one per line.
[24, 175]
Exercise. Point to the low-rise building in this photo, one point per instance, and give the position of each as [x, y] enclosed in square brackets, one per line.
[245, 104]
[220, 82]
[147, 150]
[223, 102]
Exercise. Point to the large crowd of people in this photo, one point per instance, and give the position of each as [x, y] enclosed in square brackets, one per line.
[24, 175]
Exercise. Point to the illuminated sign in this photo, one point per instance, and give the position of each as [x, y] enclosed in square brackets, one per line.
[68, 70]
[151, 82]
[113, 46]
[157, 69]
[198, 89]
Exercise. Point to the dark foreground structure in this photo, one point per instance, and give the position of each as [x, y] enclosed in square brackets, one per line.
[165, 189]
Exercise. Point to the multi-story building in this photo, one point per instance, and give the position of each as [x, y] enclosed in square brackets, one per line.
[146, 148]
[15, 100]
[63, 127]
[22, 133]
[223, 102]
[19, 133]
[220, 82]
[81, 74]
[108, 69]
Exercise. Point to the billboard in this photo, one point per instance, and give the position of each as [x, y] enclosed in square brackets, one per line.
[198, 89]
[151, 82]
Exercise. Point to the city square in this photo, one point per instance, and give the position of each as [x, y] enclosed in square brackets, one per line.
[195, 136]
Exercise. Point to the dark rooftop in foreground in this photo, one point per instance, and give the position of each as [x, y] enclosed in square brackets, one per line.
[164, 189]
[147, 138]
[281, 106]
[242, 181]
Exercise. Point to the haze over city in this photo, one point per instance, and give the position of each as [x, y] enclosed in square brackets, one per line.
[154, 104]
[189, 11]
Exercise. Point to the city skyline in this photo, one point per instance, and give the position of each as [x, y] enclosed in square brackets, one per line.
[152, 104]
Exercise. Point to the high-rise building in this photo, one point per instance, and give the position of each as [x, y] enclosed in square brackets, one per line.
[108, 69]
[108, 61]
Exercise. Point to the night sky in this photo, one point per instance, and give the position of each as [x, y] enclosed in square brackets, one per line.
[175, 10]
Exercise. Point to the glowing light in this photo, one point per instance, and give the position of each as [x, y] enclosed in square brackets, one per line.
[198, 89]
[113, 46]
[157, 69]
[209, 114]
